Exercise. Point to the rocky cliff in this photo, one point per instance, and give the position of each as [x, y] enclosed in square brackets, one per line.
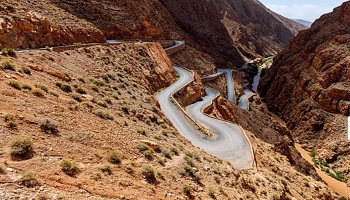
[232, 29]
[309, 86]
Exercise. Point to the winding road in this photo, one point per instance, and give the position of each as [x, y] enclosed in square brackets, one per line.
[256, 80]
[230, 85]
[243, 100]
[229, 141]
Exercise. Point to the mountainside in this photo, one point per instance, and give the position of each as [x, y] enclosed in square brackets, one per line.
[229, 30]
[309, 87]
[83, 121]
[233, 28]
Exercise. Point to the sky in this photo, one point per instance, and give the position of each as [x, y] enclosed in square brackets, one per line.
[309, 10]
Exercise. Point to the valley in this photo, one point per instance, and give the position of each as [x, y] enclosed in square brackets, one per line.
[143, 100]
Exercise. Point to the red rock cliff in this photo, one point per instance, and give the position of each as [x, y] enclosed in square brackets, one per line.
[309, 85]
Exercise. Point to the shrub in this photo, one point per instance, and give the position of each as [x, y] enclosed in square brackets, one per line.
[77, 97]
[15, 85]
[26, 87]
[166, 153]
[21, 147]
[106, 169]
[114, 157]
[69, 167]
[64, 87]
[80, 90]
[43, 87]
[174, 151]
[38, 92]
[129, 169]
[81, 79]
[7, 63]
[49, 126]
[29, 180]
[142, 147]
[10, 120]
[148, 154]
[312, 153]
[211, 192]
[26, 70]
[187, 190]
[148, 173]
[104, 114]
[9, 52]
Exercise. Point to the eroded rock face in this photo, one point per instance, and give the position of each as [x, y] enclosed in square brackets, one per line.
[34, 30]
[309, 84]
[232, 29]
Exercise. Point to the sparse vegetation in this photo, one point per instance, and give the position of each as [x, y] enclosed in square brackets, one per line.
[104, 115]
[187, 190]
[15, 85]
[312, 153]
[69, 167]
[64, 87]
[29, 180]
[27, 87]
[9, 52]
[38, 92]
[49, 126]
[43, 87]
[211, 192]
[148, 173]
[77, 97]
[7, 64]
[114, 157]
[26, 70]
[21, 147]
[106, 169]
[10, 121]
[80, 90]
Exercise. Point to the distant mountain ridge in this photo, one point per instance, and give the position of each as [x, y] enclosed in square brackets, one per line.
[303, 22]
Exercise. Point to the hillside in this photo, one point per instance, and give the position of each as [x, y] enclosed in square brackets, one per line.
[231, 32]
[315, 93]
[83, 122]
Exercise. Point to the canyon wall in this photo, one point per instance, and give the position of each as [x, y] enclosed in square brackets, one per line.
[309, 86]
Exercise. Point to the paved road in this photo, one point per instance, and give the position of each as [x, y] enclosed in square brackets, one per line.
[256, 80]
[229, 142]
[217, 74]
[230, 85]
[243, 100]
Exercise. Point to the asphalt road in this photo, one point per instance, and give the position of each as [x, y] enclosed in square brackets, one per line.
[229, 142]
[256, 80]
[231, 96]
[243, 100]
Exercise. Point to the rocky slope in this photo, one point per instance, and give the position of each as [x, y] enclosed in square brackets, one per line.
[82, 104]
[235, 29]
[309, 87]
[228, 30]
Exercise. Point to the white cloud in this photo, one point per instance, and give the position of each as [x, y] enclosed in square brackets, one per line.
[307, 12]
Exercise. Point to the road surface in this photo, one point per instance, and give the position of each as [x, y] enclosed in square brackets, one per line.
[230, 85]
[256, 80]
[243, 100]
[229, 142]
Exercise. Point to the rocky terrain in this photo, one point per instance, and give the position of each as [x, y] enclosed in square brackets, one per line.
[81, 106]
[83, 122]
[314, 98]
[245, 25]
[228, 29]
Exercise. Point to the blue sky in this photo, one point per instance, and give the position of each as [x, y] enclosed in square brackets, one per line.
[302, 9]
